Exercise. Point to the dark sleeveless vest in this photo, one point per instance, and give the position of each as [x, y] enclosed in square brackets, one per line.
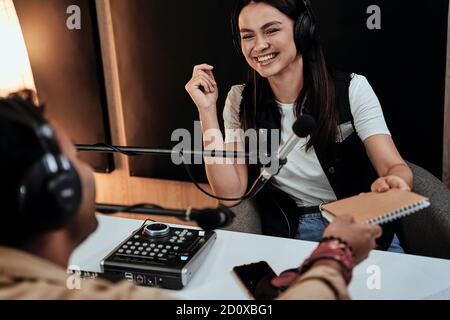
[346, 165]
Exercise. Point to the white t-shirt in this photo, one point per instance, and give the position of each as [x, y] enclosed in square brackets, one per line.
[303, 177]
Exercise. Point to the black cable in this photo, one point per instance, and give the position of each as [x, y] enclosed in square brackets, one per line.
[143, 224]
[249, 195]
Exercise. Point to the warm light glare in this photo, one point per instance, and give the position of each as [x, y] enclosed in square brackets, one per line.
[15, 68]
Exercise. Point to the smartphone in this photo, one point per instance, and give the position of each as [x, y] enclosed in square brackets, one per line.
[256, 277]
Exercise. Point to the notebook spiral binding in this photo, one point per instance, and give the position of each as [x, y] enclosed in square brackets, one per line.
[400, 213]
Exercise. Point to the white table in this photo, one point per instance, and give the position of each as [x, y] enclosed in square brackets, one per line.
[402, 276]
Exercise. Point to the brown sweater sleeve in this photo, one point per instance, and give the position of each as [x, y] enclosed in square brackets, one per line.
[319, 283]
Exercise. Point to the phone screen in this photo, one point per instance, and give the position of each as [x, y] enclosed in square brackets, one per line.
[256, 277]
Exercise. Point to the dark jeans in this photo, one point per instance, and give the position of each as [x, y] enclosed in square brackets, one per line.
[312, 225]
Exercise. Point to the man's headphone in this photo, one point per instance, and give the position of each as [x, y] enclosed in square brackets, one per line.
[49, 192]
[305, 30]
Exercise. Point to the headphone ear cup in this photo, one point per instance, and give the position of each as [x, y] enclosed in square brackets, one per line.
[65, 190]
[34, 203]
[49, 202]
[304, 30]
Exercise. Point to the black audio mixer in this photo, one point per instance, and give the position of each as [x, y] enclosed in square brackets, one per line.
[159, 255]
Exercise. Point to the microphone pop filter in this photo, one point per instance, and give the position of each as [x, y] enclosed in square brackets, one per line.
[213, 218]
[304, 126]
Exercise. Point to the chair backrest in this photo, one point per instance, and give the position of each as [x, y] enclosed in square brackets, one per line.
[427, 233]
[247, 219]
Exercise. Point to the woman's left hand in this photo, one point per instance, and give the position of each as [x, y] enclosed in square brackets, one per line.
[383, 184]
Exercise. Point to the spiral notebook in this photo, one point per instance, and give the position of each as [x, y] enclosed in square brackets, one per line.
[376, 208]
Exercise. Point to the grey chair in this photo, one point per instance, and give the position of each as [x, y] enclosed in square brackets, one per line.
[426, 233]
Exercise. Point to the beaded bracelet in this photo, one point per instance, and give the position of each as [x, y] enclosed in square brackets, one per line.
[330, 238]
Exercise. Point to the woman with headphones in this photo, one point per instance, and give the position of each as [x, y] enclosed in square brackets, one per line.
[350, 150]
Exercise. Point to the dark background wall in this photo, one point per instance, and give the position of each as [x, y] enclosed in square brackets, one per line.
[159, 42]
[405, 63]
[68, 71]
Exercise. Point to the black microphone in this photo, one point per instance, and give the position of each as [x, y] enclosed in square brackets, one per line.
[301, 128]
[213, 218]
[207, 219]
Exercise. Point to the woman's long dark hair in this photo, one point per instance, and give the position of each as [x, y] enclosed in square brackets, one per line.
[259, 108]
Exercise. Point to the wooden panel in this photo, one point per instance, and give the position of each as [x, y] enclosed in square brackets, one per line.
[119, 187]
[67, 70]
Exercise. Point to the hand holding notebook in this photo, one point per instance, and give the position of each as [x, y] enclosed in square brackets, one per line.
[376, 208]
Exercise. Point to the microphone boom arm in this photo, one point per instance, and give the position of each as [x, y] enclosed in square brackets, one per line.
[145, 209]
[137, 151]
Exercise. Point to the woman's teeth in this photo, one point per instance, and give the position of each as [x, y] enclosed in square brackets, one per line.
[266, 57]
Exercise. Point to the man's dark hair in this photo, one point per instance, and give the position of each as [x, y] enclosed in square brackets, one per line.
[19, 149]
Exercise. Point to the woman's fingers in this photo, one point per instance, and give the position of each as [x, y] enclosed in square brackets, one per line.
[204, 82]
[200, 84]
[390, 182]
[211, 75]
[206, 70]
[210, 86]
[207, 74]
[202, 67]
[380, 185]
[397, 183]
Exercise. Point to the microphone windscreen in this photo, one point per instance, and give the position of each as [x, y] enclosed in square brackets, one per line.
[304, 126]
[213, 218]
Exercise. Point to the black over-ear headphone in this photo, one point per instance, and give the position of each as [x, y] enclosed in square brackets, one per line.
[305, 30]
[49, 193]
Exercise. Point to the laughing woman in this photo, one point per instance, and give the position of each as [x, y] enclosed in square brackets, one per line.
[350, 150]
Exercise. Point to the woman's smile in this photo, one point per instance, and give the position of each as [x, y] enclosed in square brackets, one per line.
[267, 59]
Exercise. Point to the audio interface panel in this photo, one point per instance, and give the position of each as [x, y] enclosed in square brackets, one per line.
[159, 255]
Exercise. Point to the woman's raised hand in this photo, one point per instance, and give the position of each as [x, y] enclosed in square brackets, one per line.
[203, 88]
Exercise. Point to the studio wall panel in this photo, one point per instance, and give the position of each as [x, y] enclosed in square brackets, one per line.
[68, 70]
